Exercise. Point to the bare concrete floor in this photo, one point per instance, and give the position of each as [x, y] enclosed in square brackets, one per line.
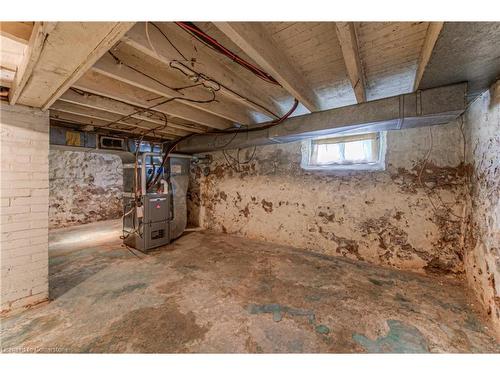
[218, 293]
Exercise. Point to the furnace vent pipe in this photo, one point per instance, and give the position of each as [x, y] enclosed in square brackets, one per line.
[422, 108]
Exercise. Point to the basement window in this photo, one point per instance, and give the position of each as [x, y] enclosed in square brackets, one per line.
[345, 152]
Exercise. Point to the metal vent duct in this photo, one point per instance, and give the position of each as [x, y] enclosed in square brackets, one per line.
[422, 108]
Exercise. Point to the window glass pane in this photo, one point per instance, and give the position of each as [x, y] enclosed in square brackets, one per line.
[343, 151]
[360, 151]
[329, 153]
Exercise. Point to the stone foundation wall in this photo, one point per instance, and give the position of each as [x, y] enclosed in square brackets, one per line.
[482, 258]
[408, 216]
[84, 187]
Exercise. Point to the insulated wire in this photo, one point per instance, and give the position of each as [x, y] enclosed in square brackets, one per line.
[424, 164]
[215, 45]
[198, 74]
[228, 131]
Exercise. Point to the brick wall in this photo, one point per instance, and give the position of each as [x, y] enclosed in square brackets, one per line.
[24, 195]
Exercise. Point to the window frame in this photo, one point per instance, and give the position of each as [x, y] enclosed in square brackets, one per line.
[307, 150]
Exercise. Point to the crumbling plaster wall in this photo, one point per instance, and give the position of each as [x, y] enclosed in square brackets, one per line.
[84, 187]
[482, 257]
[384, 217]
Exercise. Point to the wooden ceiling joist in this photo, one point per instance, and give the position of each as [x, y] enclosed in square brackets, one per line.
[99, 84]
[36, 42]
[82, 119]
[252, 39]
[346, 34]
[58, 54]
[18, 31]
[430, 40]
[228, 110]
[111, 117]
[123, 109]
[153, 44]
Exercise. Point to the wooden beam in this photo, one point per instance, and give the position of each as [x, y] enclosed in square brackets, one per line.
[228, 110]
[111, 117]
[346, 34]
[112, 36]
[65, 53]
[36, 42]
[18, 31]
[99, 84]
[433, 31]
[6, 77]
[113, 106]
[152, 43]
[252, 39]
[101, 123]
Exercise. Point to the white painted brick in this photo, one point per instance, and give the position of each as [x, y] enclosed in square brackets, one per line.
[40, 239]
[38, 256]
[26, 285]
[12, 148]
[20, 201]
[24, 234]
[35, 224]
[7, 245]
[16, 184]
[14, 192]
[16, 281]
[39, 184]
[29, 300]
[30, 216]
[14, 161]
[41, 288]
[16, 261]
[40, 192]
[24, 205]
[26, 249]
[15, 210]
[16, 175]
[40, 176]
[26, 267]
[23, 201]
[39, 208]
[14, 227]
[15, 294]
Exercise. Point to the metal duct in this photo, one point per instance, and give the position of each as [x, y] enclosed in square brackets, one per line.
[422, 108]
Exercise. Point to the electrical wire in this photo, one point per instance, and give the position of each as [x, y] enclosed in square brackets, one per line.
[424, 164]
[177, 89]
[160, 103]
[172, 146]
[151, 112]
[199, 75]
[215, 45]
[166, 37]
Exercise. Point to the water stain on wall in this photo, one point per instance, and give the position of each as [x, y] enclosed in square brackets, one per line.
[482, 258]
[407, 216]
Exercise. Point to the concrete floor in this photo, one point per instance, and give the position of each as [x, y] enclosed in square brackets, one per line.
[218, 293]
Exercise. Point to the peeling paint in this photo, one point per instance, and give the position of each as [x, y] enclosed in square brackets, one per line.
[482, 259]
[84, 187]
[407, 216]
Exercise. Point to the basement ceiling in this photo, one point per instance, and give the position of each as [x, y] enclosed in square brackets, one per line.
[160, 76]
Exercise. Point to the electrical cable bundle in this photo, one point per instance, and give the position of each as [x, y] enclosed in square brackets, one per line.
[206, 39]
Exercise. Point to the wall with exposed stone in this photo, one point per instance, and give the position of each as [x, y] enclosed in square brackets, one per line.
[482, 257]
[84, 187]
[408, 216]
